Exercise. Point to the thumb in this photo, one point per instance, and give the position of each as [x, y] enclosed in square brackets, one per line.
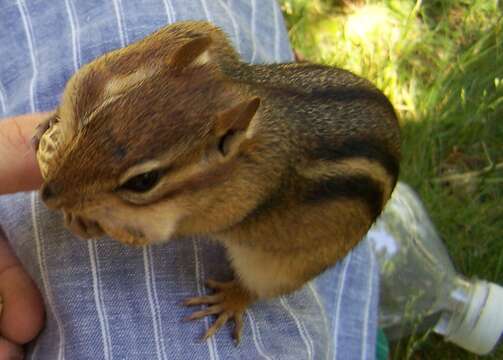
[21, 304]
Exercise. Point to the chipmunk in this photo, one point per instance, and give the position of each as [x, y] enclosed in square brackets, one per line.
[287, 165]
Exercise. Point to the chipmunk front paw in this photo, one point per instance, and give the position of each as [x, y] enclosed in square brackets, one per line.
[228, 302]
[81, 226]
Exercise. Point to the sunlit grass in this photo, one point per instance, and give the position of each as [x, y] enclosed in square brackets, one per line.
[369, 36]
[441, 65]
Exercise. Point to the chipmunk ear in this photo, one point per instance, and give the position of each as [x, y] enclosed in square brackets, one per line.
[231, 124]
[236, 118]
[195, 51]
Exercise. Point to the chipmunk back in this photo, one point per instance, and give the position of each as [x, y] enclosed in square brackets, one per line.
[287, 165]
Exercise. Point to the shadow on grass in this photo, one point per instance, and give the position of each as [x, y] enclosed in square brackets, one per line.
[460, 130]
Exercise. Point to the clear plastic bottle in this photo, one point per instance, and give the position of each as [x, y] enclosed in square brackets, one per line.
[420, 288]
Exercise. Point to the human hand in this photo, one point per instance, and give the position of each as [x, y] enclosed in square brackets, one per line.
[22, 309]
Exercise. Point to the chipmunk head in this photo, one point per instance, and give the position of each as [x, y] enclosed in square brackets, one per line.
[146, 137]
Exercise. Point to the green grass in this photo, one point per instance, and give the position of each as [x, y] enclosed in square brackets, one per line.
[441, 65]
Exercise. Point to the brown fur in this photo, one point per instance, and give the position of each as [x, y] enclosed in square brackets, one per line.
[287, 165]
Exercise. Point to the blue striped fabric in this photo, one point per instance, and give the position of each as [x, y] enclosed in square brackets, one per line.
[108, 301]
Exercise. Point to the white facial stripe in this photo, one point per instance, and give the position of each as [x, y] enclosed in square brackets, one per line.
[90, 117]
[66, 111]
[118, 87]
[120, 84]
[163, 161]
[139, 169]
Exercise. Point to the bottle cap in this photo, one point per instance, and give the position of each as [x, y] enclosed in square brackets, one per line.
[482, 325]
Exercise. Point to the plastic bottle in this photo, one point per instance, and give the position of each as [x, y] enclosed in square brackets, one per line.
[419, 286]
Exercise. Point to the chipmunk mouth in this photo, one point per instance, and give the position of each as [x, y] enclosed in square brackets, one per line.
[87, 228]
[128, 236]
[81, 226]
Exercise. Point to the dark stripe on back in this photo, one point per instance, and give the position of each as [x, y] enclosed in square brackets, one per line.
[323, 83]
[330, 189]
[346, 187]
[352, 94]
[356, 148]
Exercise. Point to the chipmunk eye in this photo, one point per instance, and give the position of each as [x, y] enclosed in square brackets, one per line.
[142, 182]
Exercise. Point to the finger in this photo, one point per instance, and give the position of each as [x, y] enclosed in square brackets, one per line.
[18, 166]
[9, 350]
[22, 313]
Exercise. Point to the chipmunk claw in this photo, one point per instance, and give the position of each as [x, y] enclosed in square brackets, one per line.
[228, 302]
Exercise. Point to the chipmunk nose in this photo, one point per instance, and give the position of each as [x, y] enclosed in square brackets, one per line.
[48, 194]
